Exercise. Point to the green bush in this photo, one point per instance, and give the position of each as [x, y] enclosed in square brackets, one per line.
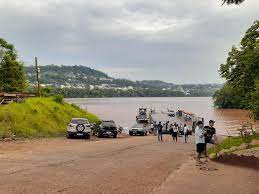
[39, 117]
[58, 99]
[233, 141]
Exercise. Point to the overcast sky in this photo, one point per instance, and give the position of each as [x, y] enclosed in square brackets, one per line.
[177, 41]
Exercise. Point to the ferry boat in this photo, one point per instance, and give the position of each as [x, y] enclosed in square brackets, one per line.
[142, 116]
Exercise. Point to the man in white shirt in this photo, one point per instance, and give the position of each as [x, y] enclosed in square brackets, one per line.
[185, 132]
[200, 141]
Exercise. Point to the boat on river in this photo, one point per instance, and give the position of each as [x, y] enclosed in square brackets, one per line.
[142, 116]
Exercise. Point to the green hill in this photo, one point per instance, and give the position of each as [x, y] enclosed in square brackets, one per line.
[67, 75]
[81, 81]
[39, 117]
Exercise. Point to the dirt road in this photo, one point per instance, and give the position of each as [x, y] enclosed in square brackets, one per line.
[123, 165]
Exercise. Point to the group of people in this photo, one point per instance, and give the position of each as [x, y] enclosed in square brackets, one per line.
[174, 129]
[203, 136]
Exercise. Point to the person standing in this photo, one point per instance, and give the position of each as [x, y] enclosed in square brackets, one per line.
[171, 129]
[185, 132]
[181, 129]
[160, 131]
[155, 128]
[175, 133]
[200, 141]
[166, 126]
[210, 136]
[152, 127]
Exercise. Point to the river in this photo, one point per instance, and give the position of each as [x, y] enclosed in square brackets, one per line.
[123, 110]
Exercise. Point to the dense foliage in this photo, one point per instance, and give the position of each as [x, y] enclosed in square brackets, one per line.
[12, 77]
[39, 117]
[136, 92]
[99, 93]
[241, 71]
[255, 97]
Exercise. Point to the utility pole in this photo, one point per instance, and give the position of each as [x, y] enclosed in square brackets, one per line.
[37, 75]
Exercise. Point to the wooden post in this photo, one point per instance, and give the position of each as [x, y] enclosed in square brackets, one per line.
[37, 76]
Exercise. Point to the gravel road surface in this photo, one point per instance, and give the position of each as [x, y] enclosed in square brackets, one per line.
[123, 165]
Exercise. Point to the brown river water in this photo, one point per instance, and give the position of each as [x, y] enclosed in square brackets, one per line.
[124, 110]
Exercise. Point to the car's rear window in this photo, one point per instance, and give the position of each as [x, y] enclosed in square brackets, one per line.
[108, 123]
[79, 121]
[137, 126]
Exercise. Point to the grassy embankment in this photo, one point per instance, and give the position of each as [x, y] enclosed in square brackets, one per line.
[234, 141]
[39, 117]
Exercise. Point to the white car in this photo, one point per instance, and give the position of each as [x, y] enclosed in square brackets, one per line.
[79, 127]
[138, 129]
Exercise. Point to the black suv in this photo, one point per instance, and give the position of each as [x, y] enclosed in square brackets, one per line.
[107, 129]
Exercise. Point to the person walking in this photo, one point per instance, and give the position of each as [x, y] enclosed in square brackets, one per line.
[200, 141]
[185, 132]
[160, 131]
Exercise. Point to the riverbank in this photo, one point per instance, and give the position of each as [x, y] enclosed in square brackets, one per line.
[228, 145]
[39, 117]
[56, 165]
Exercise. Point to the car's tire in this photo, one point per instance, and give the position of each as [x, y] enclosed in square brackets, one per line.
[115, 136]
[87, 136]
[68, 136]
[99, 135]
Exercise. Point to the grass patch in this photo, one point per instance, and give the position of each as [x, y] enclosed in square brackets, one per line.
[233, 141]
[39, 117]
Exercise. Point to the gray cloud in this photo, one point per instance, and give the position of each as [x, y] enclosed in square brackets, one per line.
[137, 39]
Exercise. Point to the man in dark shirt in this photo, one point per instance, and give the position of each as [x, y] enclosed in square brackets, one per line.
[210, 131]
[160, 131]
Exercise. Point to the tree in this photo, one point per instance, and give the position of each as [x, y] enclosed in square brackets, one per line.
[12, 78]
[255, 101]
[232, 2]
[241, 71]
[227, 97]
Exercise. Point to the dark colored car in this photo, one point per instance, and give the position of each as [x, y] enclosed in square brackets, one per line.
[107, 129]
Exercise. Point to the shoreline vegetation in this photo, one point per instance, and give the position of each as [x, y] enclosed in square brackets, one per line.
[231, 144]
[137, 92]
[241, 72]
[39, 117]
